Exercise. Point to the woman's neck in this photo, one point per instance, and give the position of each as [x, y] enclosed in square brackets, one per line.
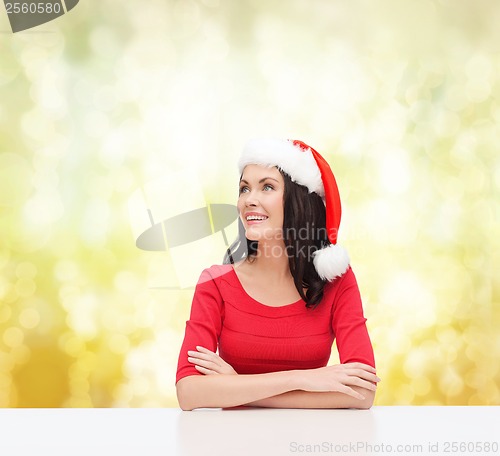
[270, 267]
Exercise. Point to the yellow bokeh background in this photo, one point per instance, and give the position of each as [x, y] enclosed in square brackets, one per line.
[401, 97]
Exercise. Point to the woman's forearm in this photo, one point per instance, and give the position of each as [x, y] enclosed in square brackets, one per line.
[197, 391]
[313, 400]
[350, 385]
[278, 389]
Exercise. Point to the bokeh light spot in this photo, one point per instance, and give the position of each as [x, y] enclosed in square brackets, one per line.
[13, 337]
[29, 318]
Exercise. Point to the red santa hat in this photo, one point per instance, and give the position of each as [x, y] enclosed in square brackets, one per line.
[307, 167]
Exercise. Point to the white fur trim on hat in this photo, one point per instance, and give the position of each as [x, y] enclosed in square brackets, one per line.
[331, 261]
[299, 164]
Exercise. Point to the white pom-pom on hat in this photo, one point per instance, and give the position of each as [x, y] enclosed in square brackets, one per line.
[331, 261]
[307, 167]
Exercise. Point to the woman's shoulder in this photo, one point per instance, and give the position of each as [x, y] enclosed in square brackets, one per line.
[214, 272]
[347, 276]
[346, 280]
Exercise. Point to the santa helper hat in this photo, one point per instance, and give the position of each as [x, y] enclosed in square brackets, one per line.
[307, 167]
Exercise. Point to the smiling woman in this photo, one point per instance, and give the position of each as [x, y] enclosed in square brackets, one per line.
[262, 324]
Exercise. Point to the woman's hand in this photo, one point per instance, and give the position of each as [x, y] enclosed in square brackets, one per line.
[207, 362]
[340, 377]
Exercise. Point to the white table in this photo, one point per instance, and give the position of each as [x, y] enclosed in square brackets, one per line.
[249, 431]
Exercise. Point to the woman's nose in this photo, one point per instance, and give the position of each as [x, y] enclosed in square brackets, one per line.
[251, 199]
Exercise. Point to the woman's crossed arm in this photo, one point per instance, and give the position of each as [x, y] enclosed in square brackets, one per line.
[350, 385]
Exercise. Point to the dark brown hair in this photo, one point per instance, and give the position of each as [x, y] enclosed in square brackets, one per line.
[304, 213]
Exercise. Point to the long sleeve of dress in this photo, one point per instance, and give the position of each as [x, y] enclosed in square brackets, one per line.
[204, 324]
[349, 323]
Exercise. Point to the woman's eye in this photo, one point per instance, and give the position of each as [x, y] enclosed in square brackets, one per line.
[242, 189]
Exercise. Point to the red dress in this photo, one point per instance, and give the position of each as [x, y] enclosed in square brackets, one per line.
[255, 338]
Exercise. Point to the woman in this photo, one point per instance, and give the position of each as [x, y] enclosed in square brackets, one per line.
[285, 291]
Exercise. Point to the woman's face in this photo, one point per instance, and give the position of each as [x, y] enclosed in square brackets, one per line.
[261, 196]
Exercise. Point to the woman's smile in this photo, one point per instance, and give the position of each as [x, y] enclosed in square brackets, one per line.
[254, 218]
[255, 222]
